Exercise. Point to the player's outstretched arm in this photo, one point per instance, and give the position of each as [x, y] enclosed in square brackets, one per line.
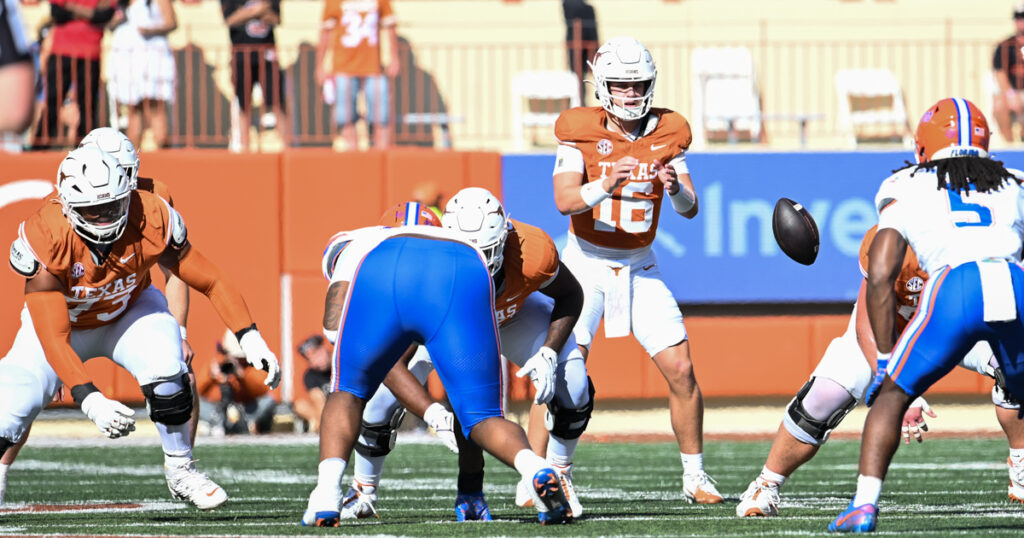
[885, 259]
[50, 317]
[411, 394]
[203, 276]
[568, 296]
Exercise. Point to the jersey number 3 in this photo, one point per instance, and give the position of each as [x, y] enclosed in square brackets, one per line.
[629, 208]
[965, 214]
[358, 28]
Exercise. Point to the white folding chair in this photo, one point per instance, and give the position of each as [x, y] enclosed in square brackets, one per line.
[726, 100]
[871, 106]
[538, 97]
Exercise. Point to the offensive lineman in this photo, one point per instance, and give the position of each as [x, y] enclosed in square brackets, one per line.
[614, 165]
[86, 258]
[963, 215]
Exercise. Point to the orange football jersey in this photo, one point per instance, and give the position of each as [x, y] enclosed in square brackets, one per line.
[908, 284]
[531, 259]
[99, 293]
[629, 218]
[355, 34]
[156, 187]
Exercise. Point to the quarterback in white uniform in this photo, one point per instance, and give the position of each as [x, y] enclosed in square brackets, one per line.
[962, 213]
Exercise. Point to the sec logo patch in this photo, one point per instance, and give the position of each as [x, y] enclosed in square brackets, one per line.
[604, 147]
[915, 284]
[77, 270]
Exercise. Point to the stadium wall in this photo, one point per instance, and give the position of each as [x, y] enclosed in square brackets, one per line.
[264, 218]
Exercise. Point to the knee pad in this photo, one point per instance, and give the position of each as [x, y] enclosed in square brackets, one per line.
[379, 439]
[172, 409]
[805, 427]
[570, 423]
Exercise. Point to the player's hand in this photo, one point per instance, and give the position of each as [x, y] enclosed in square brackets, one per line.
[112, 417]
[541, 369]
[259, 356]
[442, 421]
[880, 372]
[668, 177]
[913, 420]
[620, 173]
[187, 353]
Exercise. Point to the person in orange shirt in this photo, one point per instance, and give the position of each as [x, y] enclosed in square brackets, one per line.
[351, 31]
[234, 397]
[615, 164]
[86, 257]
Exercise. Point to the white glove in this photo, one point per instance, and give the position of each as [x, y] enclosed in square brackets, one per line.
[258, 355]
[442, 421]
[541, 368]
[112, 417]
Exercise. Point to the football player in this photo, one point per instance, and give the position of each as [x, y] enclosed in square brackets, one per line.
[391, 289]
[839, 382]
[614, 165]
[86, 257]
[119, 146]
[536, 335]
[963, 215]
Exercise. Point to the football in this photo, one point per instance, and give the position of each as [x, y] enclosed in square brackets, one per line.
[795, 231]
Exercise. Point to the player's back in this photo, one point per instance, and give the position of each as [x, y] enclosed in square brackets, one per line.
[946, 227]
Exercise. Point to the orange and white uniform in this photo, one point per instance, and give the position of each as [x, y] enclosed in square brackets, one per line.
[609, 246]
[355, 34]
[844, 361]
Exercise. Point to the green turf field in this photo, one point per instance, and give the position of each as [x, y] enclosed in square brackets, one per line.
[943, 487]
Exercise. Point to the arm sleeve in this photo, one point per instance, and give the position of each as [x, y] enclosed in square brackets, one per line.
[60, 14]
[203, 276]
[102, 16]
[568, 159]
[53, 326]
[679, 163]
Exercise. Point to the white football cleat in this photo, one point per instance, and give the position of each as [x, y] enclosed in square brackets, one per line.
[523, 497]
[359, 502]
[700, 488]
[188, 484]
[1016, 489]
[760, 500]
[323, 508]
[565, 476]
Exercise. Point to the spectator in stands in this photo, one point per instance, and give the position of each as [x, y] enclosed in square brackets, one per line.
[351, 30]
[580, 34]
[1008, 64]
[233, 397]
[317, 380]
[16, 72]
[74, 62]
[141, 73]
[254, 59]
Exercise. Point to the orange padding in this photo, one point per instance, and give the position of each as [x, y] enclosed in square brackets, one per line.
[53, 326]
[203, 276]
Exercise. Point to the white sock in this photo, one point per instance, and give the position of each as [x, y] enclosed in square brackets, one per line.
[3, 481]
[177, 443]
[329, 474]
[560, 451]
[528, 463]
[367, 470]
[771, 476]
[1016, 455]
[692, 463]
[869, 489]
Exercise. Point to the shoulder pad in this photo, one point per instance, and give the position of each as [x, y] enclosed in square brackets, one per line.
[178, 235]
[22, 260]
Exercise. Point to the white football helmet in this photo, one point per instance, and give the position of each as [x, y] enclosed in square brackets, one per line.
[478, 214]
[94, 191]
[624, 59]
[117, 144]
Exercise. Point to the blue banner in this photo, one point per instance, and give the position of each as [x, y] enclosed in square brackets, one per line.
[727, 254]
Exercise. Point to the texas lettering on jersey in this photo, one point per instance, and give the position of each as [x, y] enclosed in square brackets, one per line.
[628, 219]
[908, 284]
[531, 260]
[99, 291]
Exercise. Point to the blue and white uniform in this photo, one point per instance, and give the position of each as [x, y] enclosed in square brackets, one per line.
[417, 284]
[969, 243]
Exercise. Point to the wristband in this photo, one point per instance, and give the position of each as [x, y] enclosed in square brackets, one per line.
[593, 193]
[79, 392]
[683, 200]
[184, 332]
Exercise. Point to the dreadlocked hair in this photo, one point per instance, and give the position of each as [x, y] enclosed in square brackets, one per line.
[959, 173]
